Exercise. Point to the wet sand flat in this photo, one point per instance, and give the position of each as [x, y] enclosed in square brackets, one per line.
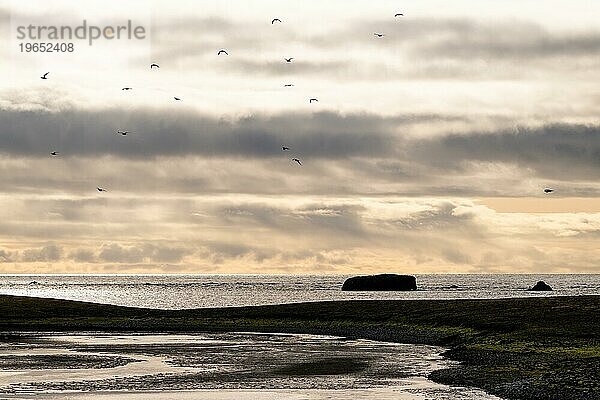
[221, 366]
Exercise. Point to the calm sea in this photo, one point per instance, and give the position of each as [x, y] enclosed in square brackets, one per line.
[188, 291]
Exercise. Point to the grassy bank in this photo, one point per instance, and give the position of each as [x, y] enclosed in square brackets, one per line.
[533, 348]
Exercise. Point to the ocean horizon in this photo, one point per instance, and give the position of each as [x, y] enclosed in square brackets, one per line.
[175, 291]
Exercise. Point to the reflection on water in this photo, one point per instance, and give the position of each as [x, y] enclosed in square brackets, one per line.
[190, 291]
[220, 366]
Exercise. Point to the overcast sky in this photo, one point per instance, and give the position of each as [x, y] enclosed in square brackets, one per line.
[428, 150]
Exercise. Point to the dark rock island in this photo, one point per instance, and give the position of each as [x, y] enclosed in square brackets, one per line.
[541, 286]
[383, 282]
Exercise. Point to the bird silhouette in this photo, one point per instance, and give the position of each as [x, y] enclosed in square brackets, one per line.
[399, 15]
[297, 160]
[222, 51]
[289, 59]
[154, 65]
[45, 76]
[123, 133]
[177, 98]
[311, 100]
[101, 189]
[275, 20]
[285, 148]
[54, 153]
[548, 190]
[379, 35]
[127, 88]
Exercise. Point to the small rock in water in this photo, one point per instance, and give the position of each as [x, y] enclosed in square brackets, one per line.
[541, 286]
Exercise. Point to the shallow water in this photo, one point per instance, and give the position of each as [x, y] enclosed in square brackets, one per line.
[391, 393]
[225, 366]
[189, 291]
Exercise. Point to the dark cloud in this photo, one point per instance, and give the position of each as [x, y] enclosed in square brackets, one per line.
[512, 40]
[113, 252]
[167, 254]
[320, 135]
[466, 39]
[360, 153]
[566, 152]
[83, 255]
[438, 48]
[87, 133]
[219, 252]
[47, 253]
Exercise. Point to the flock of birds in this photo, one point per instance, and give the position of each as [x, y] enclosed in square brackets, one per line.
[221, 52]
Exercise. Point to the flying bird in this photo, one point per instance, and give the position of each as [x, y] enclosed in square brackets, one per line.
[127, 88]
[288, 85]
[123, 133]
[399, 15]
[177, 98]
[275, 20]
[311, 100]
[285, 148]
[297, 160]
[289, 59]
[222, 52]
[45, 76]
[154, 65]
[54, 153]
[548, 190]
[101, 189]
[379, 35]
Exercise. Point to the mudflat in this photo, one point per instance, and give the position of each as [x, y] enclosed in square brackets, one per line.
[523, 348]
